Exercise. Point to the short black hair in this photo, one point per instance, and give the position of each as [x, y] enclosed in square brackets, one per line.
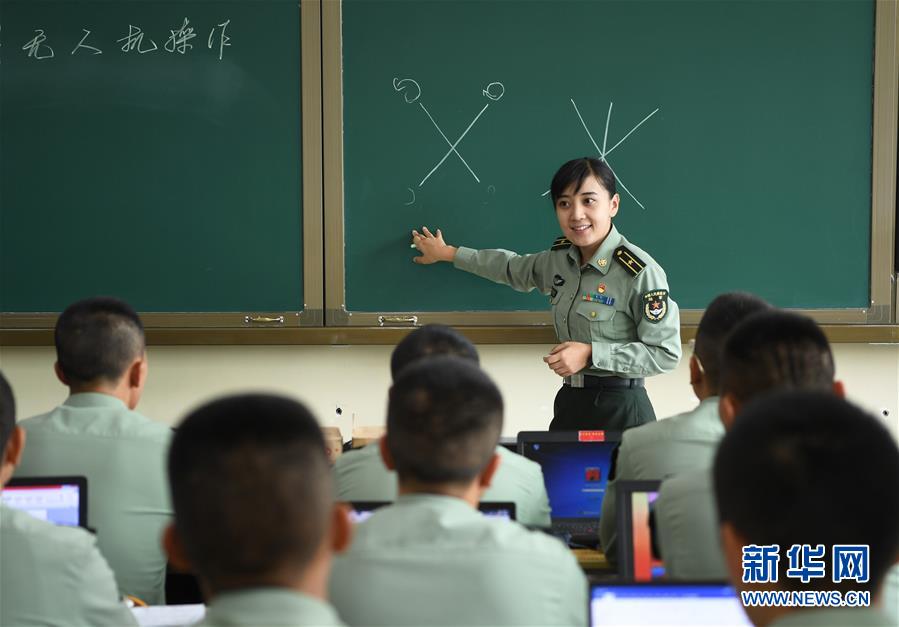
[724, 313]
[444, 418]
[573, 174]
[787, 458]
[251, 488]
[431, 340]
[7, 412]
[776, 349]
[97, 339]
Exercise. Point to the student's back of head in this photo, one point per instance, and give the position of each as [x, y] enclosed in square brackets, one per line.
[431, 340]
[97, 339]
[803, 467]
[9, 433]
[722, 315]
[251, 490]
[774, 350]
[444, 418]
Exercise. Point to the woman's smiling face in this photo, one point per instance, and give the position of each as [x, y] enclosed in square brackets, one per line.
[585, 215]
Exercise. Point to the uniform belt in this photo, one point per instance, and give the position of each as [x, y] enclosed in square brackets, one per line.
[590, 381]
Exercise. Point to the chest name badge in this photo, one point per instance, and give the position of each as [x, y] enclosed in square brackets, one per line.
[655, 305]
[596, 297]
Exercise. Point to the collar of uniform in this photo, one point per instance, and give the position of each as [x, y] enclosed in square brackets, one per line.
[605, 250]
[94, 399]
[273, 604]
[440, 502]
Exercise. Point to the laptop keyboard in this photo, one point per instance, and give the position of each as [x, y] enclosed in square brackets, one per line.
[587, 528]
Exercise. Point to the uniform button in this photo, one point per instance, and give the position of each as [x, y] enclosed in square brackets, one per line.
[592, 314]
[564, 319]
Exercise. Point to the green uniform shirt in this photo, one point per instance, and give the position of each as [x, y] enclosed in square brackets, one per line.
[122, 454]
[435, 560]
[687, 528]
[890, 594]
[618, 302]
[657, 450]
[833, 617]
[361, 476]
[271, 607]
[52, 575]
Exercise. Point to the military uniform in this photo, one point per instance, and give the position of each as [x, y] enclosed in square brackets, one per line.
[53, 575]
[272, 607]
[618, 303]
[834, 617]
[435, 560]
[362, 476]
[657, 450]
[123, 455]
[687, 528]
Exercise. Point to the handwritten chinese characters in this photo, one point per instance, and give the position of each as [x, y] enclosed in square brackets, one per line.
[134, 40]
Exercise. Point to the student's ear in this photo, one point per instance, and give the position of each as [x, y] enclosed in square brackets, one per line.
[137, 373]
[732, 543]
[60, 374]
[728, 407]
[485, 480]
[386, 457]
[174, 549]
[12, 455]
[341, 528]
[697, 376]
[839, 389]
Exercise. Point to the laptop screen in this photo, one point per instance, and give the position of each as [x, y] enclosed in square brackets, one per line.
[59, 500]
[575, 470]
[637, 556]
[665, 604]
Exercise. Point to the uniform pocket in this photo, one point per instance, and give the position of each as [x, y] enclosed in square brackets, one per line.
[602, 321]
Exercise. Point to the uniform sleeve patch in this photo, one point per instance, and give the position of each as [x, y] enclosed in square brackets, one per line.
[655, 305]
[560, 243]
[631, 262]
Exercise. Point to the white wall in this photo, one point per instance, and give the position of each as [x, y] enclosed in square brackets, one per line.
[355, 378]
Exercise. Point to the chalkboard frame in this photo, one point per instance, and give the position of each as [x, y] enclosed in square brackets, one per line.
[882, 309]
[312, 313]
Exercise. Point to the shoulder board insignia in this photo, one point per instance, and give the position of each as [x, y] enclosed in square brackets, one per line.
[560, 243]
[631, 262]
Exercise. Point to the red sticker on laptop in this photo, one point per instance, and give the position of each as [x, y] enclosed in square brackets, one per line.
[591, 436]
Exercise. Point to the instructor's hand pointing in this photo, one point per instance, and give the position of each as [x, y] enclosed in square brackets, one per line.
[432, 247]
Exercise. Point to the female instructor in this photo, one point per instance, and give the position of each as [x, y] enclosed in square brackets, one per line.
[613, 316]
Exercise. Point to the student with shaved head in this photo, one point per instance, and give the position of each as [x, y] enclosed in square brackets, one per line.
[97, 433]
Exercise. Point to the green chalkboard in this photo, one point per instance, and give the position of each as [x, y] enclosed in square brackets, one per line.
[151, 150]
[754, 173]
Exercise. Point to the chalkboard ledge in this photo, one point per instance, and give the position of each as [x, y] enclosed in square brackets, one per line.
[323, 336]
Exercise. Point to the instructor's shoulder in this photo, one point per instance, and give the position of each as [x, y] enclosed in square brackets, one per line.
[635, 260]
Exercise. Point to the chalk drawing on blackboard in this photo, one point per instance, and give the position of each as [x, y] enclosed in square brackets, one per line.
[224, 40]
[491, 189]
[179, 39]
[603, 153]
[135, 40]
[81, 44]
[411, 89]
[411, 202]
[35, 45]
[412, 92]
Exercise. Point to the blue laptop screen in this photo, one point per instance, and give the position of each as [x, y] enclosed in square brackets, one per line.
[665, 604]
[575, 473]
[58, 504]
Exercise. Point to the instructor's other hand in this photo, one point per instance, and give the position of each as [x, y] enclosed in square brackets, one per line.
[569, 358]
[432, 247]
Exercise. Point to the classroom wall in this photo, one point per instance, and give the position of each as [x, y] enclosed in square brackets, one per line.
[356, 378]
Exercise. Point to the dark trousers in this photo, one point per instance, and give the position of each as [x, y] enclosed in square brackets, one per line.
[610, 409]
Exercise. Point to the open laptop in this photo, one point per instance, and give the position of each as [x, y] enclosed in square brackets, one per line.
[576, 468]
[504, 510]
[59, 500]
[637, 558]
[659, 603]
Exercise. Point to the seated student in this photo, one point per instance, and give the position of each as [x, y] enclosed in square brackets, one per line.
[768, 351]
[254, 512]
[686, 441]
[431, 558]
[362, 476]
[49, 575]
[803, 468]
[96, 433]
